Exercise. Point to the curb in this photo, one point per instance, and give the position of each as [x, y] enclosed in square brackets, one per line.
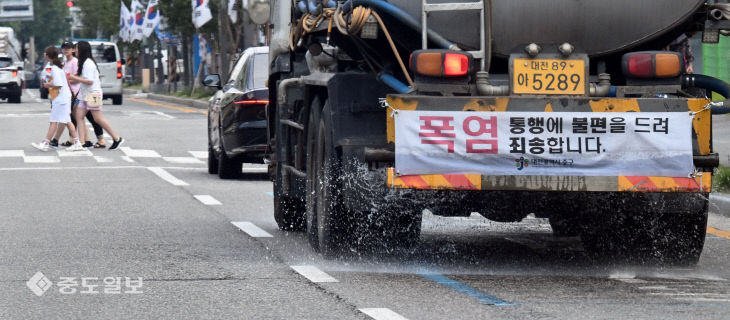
[720, 204]
[194, 103]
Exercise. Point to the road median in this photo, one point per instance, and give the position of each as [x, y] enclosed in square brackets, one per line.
[193, 103]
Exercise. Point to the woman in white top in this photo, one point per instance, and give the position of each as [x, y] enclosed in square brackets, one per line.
[88, 76]
[60, 94]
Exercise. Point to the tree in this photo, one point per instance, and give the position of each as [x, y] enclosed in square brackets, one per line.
[49, 26]
[99, 16]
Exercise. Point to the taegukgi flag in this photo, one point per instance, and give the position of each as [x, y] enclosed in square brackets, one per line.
[152, 18]
[124, 23]
[137, 31]
[201, 13]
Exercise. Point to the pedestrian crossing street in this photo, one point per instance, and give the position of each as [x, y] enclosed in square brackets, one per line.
[123, 155]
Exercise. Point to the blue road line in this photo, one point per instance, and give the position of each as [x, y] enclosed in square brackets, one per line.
[270, 193]
[473, 293]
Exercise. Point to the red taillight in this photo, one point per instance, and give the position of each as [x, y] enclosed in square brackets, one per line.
[456, 64]
[252, 102]
[641, 65]
[119, 69]
[652, 64]
[440, 63]
[15, 73]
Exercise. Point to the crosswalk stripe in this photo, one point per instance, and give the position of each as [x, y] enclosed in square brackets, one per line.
[11, 153]
[41, 159]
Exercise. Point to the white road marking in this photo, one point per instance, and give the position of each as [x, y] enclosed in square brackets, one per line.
[62, 152]
[251, 229]
[167, 176]
[100, 159]
[688, 294]
[183, 160]
[41, 159]
[11, 153]
[30, 93]
[207, 200]
[127, 159]
[314, 274]
[382, 314]
[199, 154]
[162, 114]
[630, 280]
[139, 153]
[655, 288]
[254, 170]
[25, 115]
[702, 299]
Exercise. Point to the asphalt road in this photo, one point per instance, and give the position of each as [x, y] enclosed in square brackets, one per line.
[209, 249]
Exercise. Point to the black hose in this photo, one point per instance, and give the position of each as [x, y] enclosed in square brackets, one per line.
[710, 84]
[402, 16]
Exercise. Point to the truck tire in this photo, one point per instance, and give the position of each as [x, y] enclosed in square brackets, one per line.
[212, 161]
[228, 168]
[289, 211]
[14, 99]
[44, 94]
[329, 213]
[117, 100]
[672, 237]
[310, 200]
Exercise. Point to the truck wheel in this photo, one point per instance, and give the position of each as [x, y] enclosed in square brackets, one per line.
[212, 161]
[312, 183]
[117, 100]
[44, 94]
[674, 236]
[228, 168]
[14, 99]
[331, 218]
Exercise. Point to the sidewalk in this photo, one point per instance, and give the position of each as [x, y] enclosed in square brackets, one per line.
[720, 203]
[194, 103]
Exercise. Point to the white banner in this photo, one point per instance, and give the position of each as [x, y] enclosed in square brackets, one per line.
[124, 23]
[201, 13]
[530, 143]
[152, 18]
[233, 11]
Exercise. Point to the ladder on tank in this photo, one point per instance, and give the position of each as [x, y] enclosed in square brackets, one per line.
[464, 6]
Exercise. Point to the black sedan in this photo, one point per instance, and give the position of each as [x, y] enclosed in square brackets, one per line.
[237, 115]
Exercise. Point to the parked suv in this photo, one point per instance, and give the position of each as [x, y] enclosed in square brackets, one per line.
[11, 80]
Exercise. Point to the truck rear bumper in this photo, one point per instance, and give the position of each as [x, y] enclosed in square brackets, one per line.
[700, 183]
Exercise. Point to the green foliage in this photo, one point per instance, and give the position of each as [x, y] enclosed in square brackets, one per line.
[721, 179]
[49, 25]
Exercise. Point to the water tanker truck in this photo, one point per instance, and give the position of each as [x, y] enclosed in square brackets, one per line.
[575, 111]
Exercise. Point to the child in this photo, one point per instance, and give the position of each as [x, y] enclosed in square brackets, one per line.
[60, 95]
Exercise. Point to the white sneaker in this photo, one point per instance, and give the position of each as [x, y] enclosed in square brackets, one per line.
[42, 146]
[77, 146]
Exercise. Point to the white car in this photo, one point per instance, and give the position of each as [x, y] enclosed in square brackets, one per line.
[111, 69]
[11, 80]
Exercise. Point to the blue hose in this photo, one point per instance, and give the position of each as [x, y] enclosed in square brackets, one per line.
[710, 84]
[394, 83]
[401, 15]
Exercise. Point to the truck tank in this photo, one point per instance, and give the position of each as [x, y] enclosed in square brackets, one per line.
[598, 27]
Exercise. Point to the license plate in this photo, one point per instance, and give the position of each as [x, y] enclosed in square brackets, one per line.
[548, 76]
